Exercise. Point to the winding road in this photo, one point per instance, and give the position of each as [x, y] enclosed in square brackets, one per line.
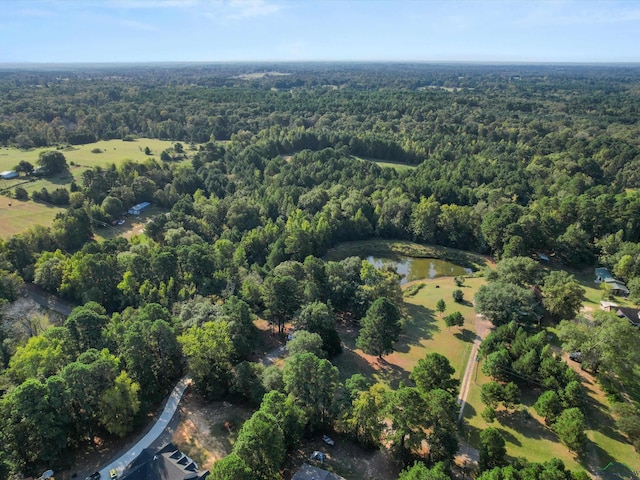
[170, 408]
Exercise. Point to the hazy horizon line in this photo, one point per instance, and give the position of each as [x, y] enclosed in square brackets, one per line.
[299, 62]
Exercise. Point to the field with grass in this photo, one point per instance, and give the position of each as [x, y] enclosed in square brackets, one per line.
[424, 332]
[111, 151]
[526, 434]
[399, 166]
[16, 216]
[16, 220]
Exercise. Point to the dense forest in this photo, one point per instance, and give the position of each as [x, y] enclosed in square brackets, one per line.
[507, 161]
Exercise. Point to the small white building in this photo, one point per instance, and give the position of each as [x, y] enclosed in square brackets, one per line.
[137, 209]
[8, 174]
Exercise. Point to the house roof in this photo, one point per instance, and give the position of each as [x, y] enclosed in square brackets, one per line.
[631, 314]
[309, 472]
[603, 272]
[617, 285]
[140, 206]
[607, 305]
[166, 463]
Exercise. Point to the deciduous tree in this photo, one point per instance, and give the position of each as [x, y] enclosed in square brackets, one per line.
[503, 303]
[209, 351]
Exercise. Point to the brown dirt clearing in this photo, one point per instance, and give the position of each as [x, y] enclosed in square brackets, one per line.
[207, 431]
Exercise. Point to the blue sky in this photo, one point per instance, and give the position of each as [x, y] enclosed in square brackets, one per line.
[345, 30]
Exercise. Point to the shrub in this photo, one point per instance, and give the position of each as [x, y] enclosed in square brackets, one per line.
[20, 194]
[411, 290]
[489, 414]
[94, 150]
[458, 296]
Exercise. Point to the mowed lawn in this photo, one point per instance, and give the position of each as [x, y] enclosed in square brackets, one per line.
[16, 216]
[526, 436]
[15, 220]
[530, 438]
[112, 151]
[424, 332]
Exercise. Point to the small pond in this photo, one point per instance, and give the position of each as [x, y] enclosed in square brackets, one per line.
[416, 268]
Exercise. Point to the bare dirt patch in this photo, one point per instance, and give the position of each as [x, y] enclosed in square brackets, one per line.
[207, 431]
[344, 458]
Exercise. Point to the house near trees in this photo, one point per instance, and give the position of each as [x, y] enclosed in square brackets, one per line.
[631, 314]
[603, 274]
[8, 174]
[137, 209]
[166, 463]
[309, 472]
[616, 287]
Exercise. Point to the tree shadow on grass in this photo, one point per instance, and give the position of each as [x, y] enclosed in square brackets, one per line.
[617, 470]
[63, 178]
[465, 335]
[392, 374]
[349, 363]
[597, 417]
[509, 437]
[526, 425]
[420, 324]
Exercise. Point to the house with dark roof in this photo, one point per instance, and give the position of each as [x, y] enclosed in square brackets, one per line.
[631, 314]
[166, 463]
[309, 472]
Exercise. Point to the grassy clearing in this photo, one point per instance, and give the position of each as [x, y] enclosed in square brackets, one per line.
[23, 215]
[112, 151]
[31, 213]
[532, 439]
[526, 436]
[399, 166]
[424, 332]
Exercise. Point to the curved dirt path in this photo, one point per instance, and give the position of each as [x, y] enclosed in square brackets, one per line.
[120, 463]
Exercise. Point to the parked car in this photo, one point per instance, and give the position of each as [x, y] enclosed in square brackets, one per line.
[113, 474]
[576, 357]
[328, 440]
[93, 476]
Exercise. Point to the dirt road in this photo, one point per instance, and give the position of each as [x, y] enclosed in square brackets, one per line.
[483, 327]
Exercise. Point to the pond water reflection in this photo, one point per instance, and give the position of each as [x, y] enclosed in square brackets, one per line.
[417, 268]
